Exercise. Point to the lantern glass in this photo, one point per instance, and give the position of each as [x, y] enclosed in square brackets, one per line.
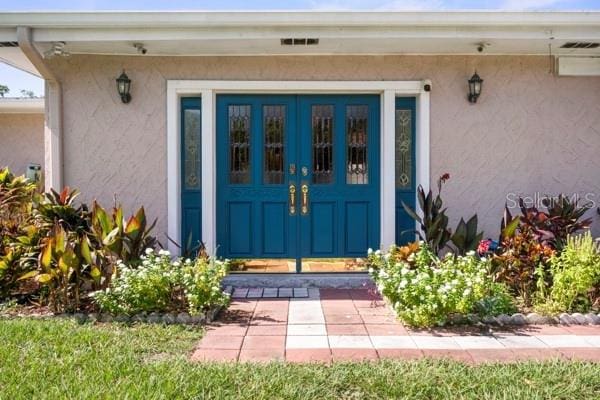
[477, 88]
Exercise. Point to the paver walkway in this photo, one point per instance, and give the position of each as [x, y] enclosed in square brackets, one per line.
[339, 325]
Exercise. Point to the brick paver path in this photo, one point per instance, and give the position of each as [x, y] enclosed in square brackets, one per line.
[355, 324]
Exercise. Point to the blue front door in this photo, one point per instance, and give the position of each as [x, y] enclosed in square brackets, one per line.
[298, 176]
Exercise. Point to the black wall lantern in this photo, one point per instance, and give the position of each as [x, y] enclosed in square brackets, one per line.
[123, 86]
[474, 87]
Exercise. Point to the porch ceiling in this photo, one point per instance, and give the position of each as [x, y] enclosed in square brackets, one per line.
[259, 33]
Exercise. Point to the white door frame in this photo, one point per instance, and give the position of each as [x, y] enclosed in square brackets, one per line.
[207, 90]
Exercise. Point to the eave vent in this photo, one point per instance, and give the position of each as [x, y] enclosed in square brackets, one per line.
[580, 45]
[9, 44]
[299, 42]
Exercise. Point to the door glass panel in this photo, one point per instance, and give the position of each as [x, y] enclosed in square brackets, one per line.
[239, 144]
[192, 145]
[356, 141]
[274, 130]
[403, 149]
[322, 142]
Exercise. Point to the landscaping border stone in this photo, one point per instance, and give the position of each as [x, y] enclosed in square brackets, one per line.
[520, 319]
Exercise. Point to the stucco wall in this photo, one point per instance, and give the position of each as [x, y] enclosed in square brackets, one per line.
[530, 132]
[21, 141]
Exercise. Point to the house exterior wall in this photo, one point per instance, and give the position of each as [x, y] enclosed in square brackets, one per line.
[530, 133]
[21, 141]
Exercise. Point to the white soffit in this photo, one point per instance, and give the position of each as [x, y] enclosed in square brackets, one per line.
[14, 57]
[259, 33]
[579, 66]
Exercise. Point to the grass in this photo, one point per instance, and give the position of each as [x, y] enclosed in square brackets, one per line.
[60, 359]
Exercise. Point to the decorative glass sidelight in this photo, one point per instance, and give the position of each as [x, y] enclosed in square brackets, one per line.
[274, 155]
[322, 143]
[356, 142]
[192, 150]
[239, 144]
[403, 149]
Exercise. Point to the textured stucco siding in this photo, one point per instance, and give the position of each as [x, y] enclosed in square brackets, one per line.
[530, 132]
[21, 141]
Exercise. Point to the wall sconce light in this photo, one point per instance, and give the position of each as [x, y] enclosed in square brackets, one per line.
[123, 86]
[474, 87]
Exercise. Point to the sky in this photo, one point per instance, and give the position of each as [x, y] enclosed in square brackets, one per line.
[17, 80]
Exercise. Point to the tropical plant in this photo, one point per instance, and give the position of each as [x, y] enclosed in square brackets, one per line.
[575, 276]
[566, 217]
[561, 218]
[465, 237]
[431, 291]
[65, 267]
[59, 208]
[17, 196]
[521, 257]
[189, 248]
[70, 251]
[434, 222]
[405, 253]
[122, 239]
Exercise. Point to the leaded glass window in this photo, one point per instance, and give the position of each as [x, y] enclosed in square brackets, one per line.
[403, 149]
[322, 143]
[274, 131]
[356, 142]
[239, 144]
[191, 146]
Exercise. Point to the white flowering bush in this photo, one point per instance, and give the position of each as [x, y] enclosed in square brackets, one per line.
[201, 281]
[427, 291]
[162, 284]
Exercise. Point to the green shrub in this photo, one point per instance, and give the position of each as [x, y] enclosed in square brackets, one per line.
[163, 285]
[426, 290]
[575, 274]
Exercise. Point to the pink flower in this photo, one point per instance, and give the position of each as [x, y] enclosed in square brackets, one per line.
[484, 246]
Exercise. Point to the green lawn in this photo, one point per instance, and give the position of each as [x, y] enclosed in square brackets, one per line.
[60, 359]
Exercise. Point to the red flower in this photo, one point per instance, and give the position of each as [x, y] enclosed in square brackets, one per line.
[445, 177]
[484, 246]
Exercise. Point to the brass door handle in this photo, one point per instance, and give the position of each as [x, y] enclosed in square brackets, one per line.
[292, 199]
[304, 190]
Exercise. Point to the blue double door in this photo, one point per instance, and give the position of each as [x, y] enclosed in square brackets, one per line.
[298, 176]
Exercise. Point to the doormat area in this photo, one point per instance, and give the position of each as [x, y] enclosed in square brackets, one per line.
[268, 293]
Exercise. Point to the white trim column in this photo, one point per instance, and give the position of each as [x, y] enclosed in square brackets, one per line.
[173, 169]
[53, 149]
[209, 171]
[388, 170]
[422, 144]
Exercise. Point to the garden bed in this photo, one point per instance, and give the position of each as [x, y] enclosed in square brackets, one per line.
[544, 267]
[168, 318]
[70, 258]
